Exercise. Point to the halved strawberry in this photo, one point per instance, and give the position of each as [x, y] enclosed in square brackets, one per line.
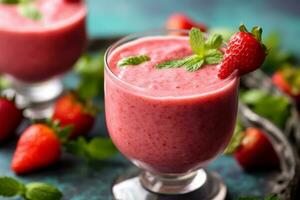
[287, 79]
[244, 53]
[181, 21]
[256, 151]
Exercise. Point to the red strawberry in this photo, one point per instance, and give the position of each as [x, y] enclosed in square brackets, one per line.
[288, 80]
[256, 151]
[181, 21]
[10, 118]
[38, 147]
[244, 53]
[72, 1]
[69, 110]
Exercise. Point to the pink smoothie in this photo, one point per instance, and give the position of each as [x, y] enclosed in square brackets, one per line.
[36, 50]
[168, 120]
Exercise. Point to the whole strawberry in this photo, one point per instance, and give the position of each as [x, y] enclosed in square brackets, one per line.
[287, 79]
[39, 146]
[181, 21]
[245, 53]
[256, 151]
[10, 118]
[70, 110]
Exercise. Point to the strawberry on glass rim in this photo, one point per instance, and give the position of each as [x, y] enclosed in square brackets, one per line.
[245, 52]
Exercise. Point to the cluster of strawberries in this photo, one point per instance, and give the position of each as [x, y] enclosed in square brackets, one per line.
[40, 144]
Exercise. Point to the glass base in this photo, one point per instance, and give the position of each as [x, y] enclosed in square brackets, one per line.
[37, 98]
[201, 184]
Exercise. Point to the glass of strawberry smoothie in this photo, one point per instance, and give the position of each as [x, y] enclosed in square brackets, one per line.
[169, 122]
[40, 41]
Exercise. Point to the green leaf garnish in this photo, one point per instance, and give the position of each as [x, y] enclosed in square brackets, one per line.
[38, 191]
[205, 52]
[133, 60]
[214, 42]
[90, 69]
[10, 1]
[273, 107]
[197, 41]
[95, 149]
[29, 11]
[10, 187]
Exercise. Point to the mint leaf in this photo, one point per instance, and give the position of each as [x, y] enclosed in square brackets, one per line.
[273, 107]
[95, 149]
[194, 65]
[42, 191]
[205, 52]
[197, 41]
[29, 11]
[10, 187]
[90, 69]
[214, 42]
[4, 83]
[174, 63]
[77, 147]
[213, 56]
[133, 60]
[10, 1]
[191, 63]
[101, 148]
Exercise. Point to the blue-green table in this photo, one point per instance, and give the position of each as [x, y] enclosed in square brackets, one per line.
[111, 18]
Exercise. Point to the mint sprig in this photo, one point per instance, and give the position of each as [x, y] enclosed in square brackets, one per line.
[29, 11]
[96, 149]
[90, 69]
[205, 52]
[133, 60]
[10, 187]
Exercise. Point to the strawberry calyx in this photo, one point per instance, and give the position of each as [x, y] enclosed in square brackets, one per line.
[256, 32]
[87, 105]
[62, 132]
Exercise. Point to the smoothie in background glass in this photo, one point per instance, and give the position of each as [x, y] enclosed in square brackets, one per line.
[168, 122]
[34, 52]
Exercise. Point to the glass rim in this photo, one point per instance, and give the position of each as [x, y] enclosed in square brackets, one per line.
[142, 91]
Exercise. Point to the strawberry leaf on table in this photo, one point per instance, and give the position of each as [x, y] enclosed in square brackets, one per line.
[95, 149]
[205, 52]
[275, 108]
[10, 187]
[90, 69]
